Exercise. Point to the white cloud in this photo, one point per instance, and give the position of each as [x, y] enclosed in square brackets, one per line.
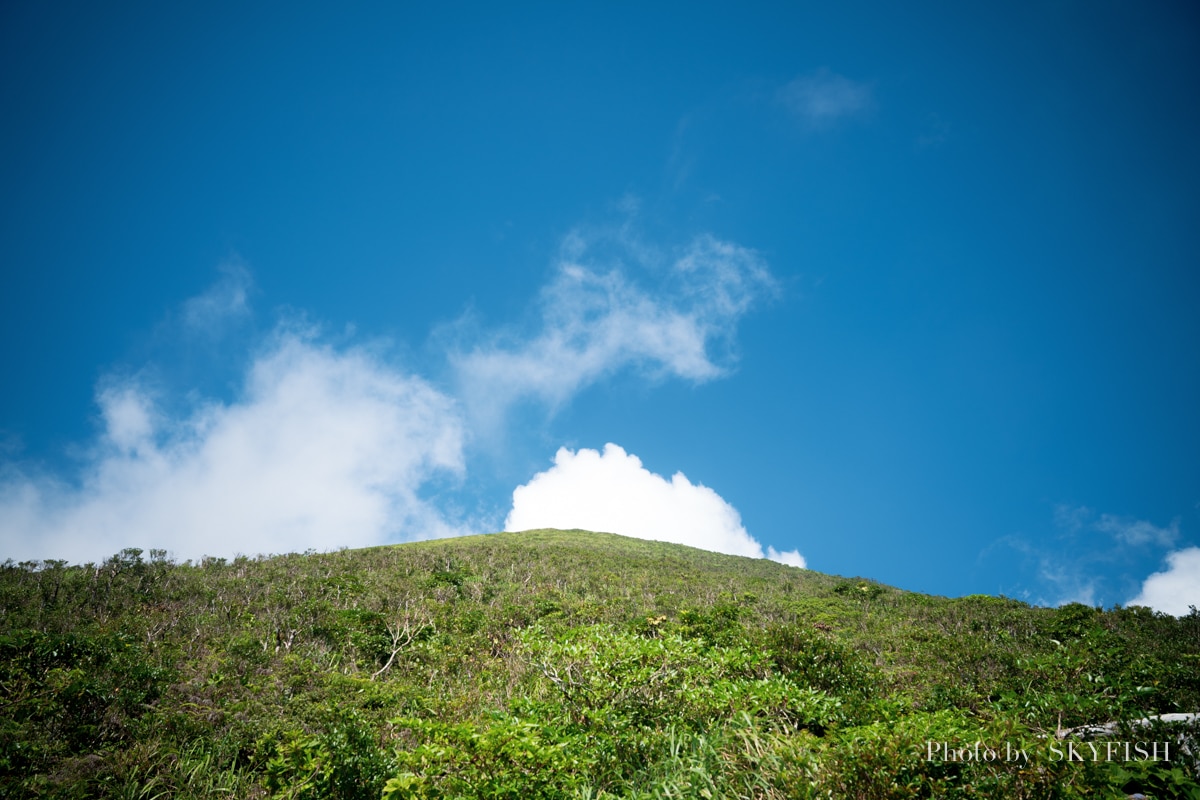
[1070, 586]
[1175, 589]
[225, 300]
[324, 448]
[1071, 574]
[823, 97]
[1137, 531]
[129, 417]
[790, 557]
[1125, 530]
[1071, 519]
[595, 321]
[614, 493]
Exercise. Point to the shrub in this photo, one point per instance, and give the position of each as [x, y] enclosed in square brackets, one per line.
[341, 762]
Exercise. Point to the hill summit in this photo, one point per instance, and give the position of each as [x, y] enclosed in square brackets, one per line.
[569, 664]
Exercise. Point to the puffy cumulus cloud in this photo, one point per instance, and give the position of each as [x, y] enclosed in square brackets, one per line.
[1177, 588]
[790, 557]
[823, 97]
[593, 321]
[614, 493]
[324, 448]
[129, 417]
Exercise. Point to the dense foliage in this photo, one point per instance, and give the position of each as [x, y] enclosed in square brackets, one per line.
[556, 664]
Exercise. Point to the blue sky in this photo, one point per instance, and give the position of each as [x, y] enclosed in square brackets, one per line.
[906, 293]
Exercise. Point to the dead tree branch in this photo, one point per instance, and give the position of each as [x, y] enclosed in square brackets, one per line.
[403, 632]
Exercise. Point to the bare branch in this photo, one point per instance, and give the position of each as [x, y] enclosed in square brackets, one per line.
[403, 633]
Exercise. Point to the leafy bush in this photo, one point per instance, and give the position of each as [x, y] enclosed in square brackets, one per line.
[597, 677]
[818, 660]
[69, 694]
[341, 762]
[498, 759]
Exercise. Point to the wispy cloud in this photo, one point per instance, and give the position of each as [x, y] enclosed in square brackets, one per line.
[596, 317]
[613, 492]
[225, 300]
[1058, 578]
[1071, 565]
[1068, 583]
[1177, 588]
[1138, 531]
[1071, 519]
[323, 448]
[1124, 530]
[823, 97]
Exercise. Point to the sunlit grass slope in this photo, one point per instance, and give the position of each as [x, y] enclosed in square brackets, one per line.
[555, 664]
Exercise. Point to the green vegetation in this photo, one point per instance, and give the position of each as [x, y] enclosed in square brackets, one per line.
[555, 664]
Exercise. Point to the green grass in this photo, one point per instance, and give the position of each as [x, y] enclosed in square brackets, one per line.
[555, 664]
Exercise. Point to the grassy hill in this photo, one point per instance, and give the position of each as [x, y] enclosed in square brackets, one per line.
[553, 664]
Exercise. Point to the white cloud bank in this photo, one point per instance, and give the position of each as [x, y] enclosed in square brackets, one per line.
[614, 493]
[595, 321]
[324, 448]
[1175, 589]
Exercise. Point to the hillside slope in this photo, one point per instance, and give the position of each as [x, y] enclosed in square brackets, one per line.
[560, 664]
